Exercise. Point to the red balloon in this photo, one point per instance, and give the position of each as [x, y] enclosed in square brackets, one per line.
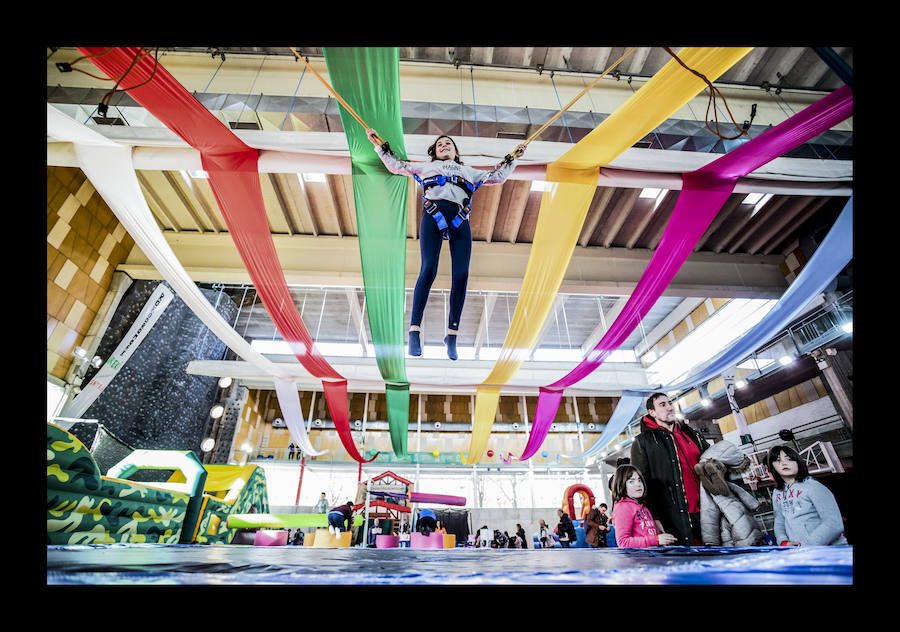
[490, 453]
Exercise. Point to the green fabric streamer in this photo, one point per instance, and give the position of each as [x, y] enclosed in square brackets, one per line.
[368, 79]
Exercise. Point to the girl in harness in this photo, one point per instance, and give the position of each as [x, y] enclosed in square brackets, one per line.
[447, 186]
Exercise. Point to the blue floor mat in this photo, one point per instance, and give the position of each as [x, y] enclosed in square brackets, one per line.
[114, 564]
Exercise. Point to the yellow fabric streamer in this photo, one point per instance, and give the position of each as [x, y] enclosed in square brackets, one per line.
[564, 206]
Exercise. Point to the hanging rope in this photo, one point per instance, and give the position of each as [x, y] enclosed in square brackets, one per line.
[336, 95]
[104, 102]
[213, 77]
[291, 106]
[713, 91]
[579, 95]
[560, 105]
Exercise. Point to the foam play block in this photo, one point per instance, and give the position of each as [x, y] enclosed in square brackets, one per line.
[449, 540]
[268, 537]
[325, 540]
[430, 541]
[309, 539]
[387, 541]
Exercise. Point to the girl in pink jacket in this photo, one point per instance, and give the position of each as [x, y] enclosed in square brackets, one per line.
[635, 527]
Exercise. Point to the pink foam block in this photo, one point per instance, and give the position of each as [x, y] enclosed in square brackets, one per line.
[387, 541]
[267, 537]
[438, 499]
[431, 541]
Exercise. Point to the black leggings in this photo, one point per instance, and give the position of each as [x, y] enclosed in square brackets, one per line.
[430, 242]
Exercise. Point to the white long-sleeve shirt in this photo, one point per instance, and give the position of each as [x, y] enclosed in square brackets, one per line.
[448, 191]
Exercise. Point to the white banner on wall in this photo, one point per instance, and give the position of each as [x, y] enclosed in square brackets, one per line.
[148, 317]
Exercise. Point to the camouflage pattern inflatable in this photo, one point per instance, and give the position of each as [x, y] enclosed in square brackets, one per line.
[84, 507]
[241, 490]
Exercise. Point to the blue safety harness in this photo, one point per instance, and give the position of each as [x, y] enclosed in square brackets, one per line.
[430, 207]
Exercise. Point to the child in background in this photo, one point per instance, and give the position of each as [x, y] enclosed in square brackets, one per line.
[635, 527]
[404, 533]
[545, 535]
[806, 512]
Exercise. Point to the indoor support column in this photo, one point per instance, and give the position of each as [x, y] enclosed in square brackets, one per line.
[739, 419]
[837, 391]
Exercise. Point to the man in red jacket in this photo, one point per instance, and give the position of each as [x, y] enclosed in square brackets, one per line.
[666, 452]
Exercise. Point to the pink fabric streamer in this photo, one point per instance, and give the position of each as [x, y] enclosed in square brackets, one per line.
[703, 193]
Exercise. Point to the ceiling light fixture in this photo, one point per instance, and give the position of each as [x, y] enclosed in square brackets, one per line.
[705, 402]
[848, 327]
[740, 384]
[208, 444]
[217, 411]
[786, 360]
[225, 382]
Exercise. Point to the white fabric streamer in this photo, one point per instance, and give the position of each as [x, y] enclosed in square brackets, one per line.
[109, 167]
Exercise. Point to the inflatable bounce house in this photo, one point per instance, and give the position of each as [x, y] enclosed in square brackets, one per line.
[86, 507]
[229, 489]
[587, 501]
[586, 496]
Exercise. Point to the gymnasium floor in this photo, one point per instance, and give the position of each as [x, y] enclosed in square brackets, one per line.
[153, 564]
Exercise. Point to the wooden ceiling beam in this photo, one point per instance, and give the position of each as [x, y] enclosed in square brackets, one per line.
[733, 201]
[623, 208]
[490, 198]
[303, 206]
[667, 198]
[151, 191]
[518, 200]
[789, 212]
[282, 204]
[179, 193]
[599, 204]
[754, 223]
[201, 200]
[777, 243]
[335, 207]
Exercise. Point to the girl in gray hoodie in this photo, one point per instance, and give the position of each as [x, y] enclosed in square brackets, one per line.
[806, 512]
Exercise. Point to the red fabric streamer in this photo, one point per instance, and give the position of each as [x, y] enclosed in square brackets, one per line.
[234, 179]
